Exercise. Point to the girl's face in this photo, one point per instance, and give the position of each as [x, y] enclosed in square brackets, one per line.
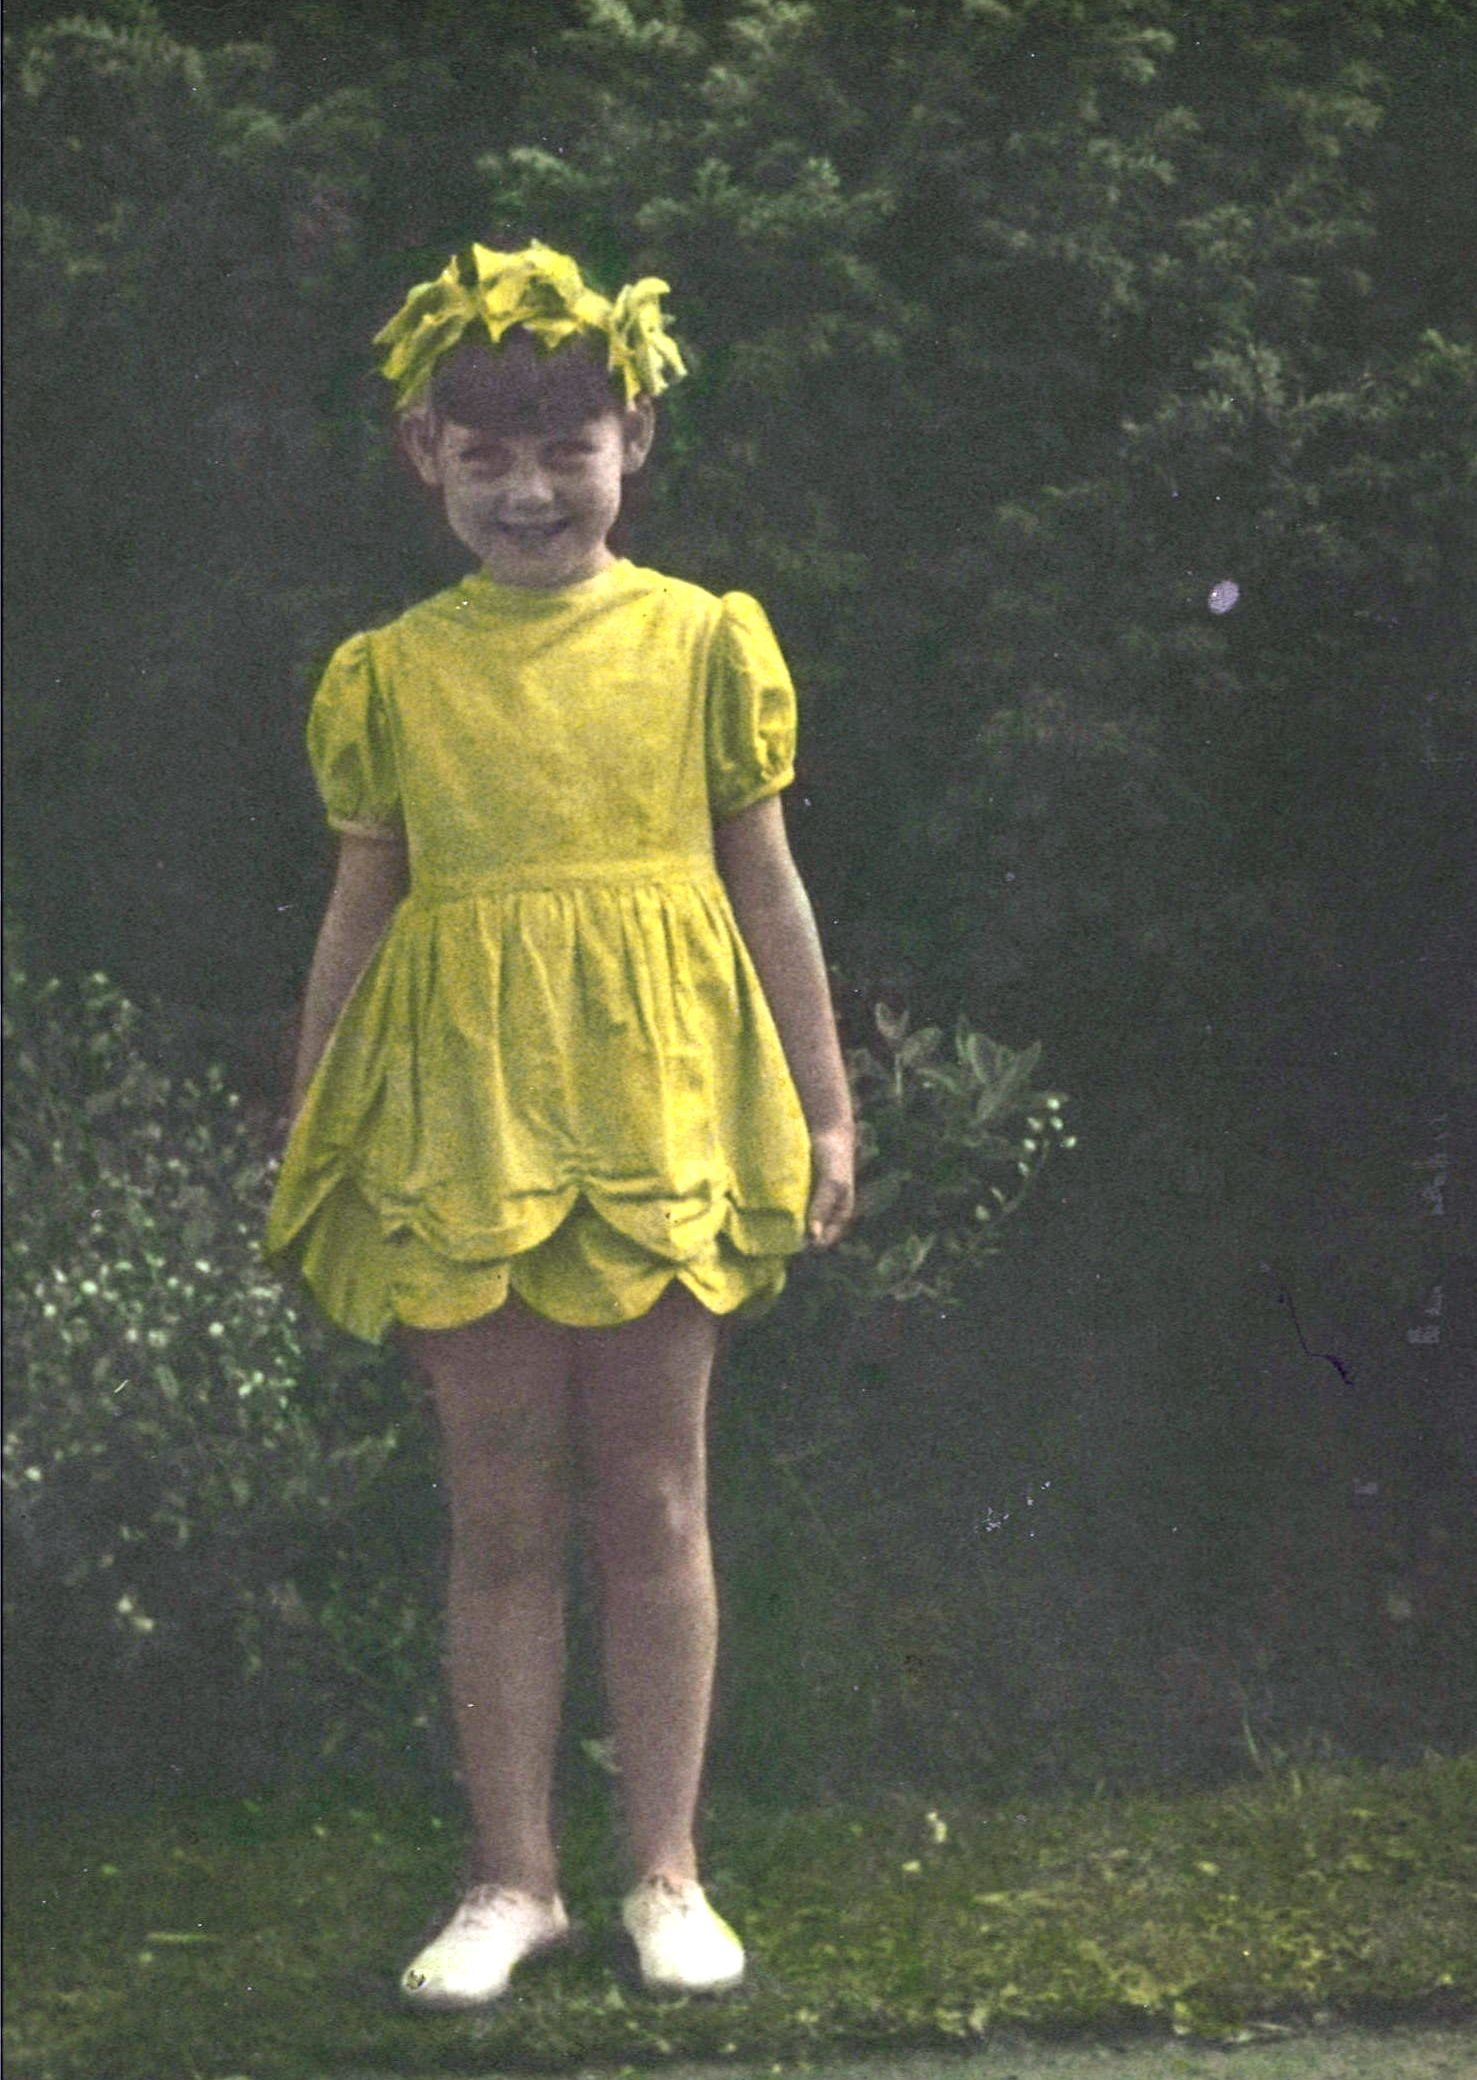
[534, 508]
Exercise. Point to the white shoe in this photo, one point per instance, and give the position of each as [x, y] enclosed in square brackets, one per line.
[681, 1944]
[472, 1959]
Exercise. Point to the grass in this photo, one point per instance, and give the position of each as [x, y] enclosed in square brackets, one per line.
[261, 1937]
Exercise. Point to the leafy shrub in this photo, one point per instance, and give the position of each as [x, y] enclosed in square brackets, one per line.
[185, 1452]
[932, 1134]
[948, 1152]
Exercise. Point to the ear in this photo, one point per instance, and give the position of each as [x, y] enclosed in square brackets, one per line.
[419, 434]
[638, 430]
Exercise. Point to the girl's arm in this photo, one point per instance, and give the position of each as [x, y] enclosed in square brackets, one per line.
[775, 916]
[373, 875]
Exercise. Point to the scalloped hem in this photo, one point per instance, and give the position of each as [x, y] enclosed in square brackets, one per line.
[585, 1274]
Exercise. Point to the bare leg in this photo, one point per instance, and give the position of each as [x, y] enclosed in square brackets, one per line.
[642, 1394]
[501, 1393]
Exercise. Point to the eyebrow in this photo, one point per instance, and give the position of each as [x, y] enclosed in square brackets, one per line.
[473, 438]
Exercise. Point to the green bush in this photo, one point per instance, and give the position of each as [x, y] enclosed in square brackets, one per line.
[196, 1476]
[933, 1136]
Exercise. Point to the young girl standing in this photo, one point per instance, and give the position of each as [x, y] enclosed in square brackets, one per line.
[569, 1087]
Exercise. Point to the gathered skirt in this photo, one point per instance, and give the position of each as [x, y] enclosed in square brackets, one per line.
[564, 1083]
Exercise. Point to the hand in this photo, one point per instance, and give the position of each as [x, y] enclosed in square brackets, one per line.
[833, 1186]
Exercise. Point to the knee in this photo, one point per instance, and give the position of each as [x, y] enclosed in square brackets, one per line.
[649, 1525]
[508, 1532]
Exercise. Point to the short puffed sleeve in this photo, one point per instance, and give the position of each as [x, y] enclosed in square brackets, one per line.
[750, 710]
[350, 748]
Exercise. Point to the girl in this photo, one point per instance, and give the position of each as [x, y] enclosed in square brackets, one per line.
[569, 1088]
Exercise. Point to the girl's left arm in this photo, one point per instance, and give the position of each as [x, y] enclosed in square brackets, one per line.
[775, 916]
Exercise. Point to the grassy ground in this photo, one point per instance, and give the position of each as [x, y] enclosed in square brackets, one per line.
[1421, 2052]
[261, 1938]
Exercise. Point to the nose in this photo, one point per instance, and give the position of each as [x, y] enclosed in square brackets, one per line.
[525, 487]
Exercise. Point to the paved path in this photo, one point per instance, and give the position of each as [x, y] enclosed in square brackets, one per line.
[1342, 2054]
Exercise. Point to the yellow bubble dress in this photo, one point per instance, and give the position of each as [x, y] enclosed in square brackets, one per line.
[559, 1073]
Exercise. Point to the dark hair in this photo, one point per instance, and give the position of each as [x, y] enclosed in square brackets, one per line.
[520, 386]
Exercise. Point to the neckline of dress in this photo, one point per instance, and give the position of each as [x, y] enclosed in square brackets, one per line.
[479, 587]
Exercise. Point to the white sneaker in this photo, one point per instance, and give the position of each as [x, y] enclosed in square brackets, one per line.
[681, 1944]
[472, 1959]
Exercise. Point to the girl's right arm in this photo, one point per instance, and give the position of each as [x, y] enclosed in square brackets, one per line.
[372, 878]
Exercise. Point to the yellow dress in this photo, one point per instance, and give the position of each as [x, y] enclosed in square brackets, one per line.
[559, 1073]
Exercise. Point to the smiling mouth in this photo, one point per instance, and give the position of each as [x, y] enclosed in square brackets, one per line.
[530, 534]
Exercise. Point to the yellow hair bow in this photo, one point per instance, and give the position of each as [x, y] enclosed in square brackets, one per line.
[545, 293]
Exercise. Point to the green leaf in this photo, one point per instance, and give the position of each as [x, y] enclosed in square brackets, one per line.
[876, 1194]
[918, 1046]
[892, 1025]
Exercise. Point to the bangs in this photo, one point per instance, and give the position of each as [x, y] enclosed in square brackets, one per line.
[520, 387]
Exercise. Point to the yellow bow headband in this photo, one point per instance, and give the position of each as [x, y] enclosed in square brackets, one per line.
[544, 292]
